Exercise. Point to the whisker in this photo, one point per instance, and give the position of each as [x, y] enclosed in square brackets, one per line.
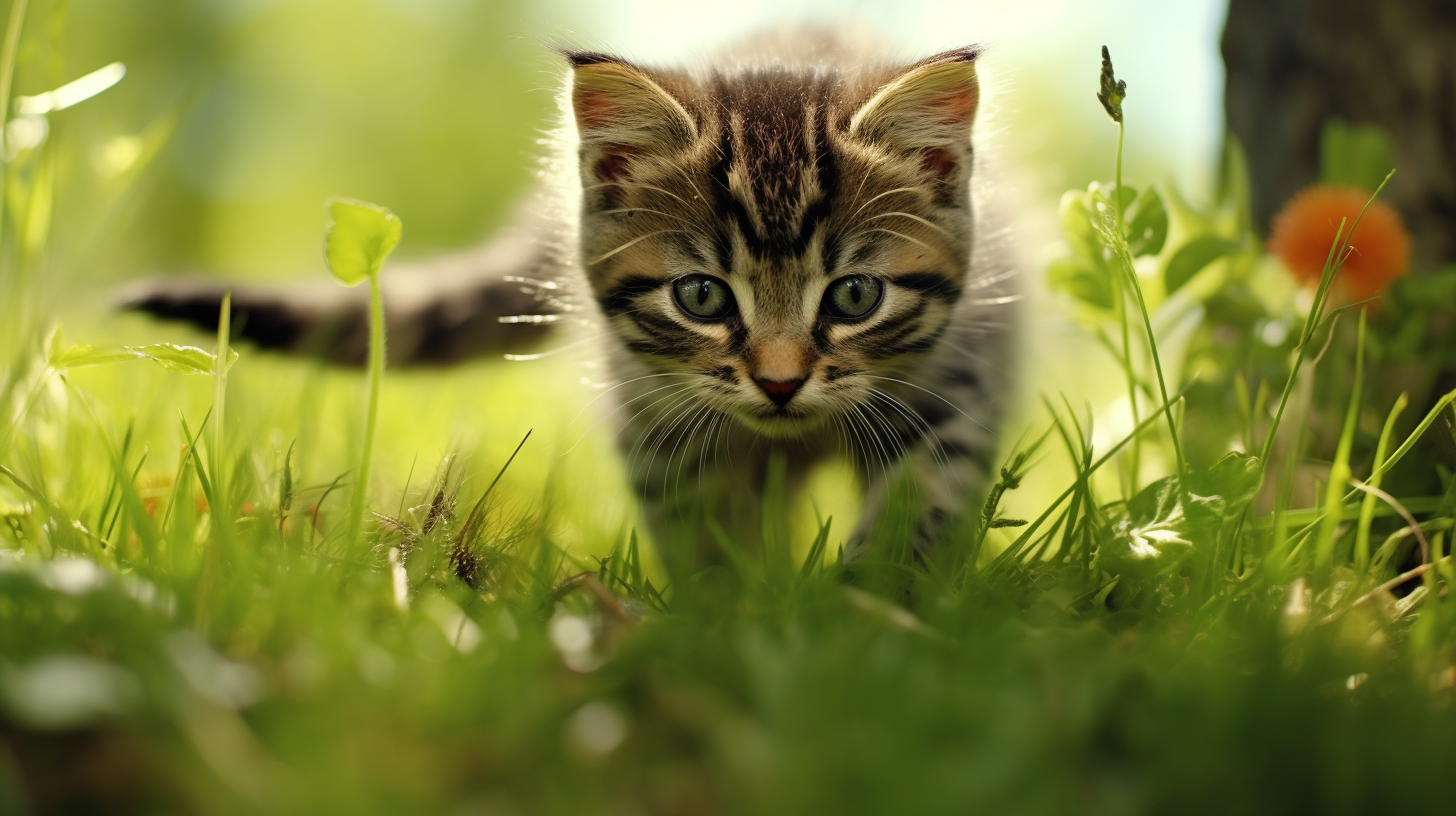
[916, 241]
[997, 301]
[937, 396]
[624, 210]
[938, 228]
[661, 427]
[523, 358]
[896, 443]
[651, 187]
[679, 387]
[635, 241]
[692, 426]
[709, 438]
[880, 196]
[626, 382]
[991, 280]
[937, 448]
[876, 448]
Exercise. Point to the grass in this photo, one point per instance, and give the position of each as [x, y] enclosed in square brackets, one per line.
[190, 633]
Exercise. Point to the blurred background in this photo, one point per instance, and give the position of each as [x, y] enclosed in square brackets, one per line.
[249, 113]
[237, 119]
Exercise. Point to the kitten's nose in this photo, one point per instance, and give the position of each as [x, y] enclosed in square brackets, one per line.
[780, 391]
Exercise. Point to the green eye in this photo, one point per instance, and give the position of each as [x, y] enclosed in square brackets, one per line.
[703, 297]
[852, 297]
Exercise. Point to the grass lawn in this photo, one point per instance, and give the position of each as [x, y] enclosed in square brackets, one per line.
[1227, 595]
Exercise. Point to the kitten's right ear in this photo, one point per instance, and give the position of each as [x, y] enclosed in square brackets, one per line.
[621, 113]
[928, 109]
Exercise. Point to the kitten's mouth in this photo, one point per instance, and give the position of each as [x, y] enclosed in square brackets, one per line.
[778, 421]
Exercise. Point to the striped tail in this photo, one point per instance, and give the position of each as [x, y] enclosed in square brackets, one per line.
[499, 300]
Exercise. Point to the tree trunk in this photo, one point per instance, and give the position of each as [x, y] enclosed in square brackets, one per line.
[1295, 64]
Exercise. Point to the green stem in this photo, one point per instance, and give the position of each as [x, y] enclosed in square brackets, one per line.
[376, 379]
[1135, 454]
[219, 460]
[1012, 552]
[1137, 292]
[7, 75]
[1324, 550]
[7, 64]
[1316, 310]
[1367, 504]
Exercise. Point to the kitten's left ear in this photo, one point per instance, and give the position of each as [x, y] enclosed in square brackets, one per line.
[622, 112]
[929, 108]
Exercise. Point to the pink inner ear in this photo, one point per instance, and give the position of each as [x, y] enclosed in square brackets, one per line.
[938, 162]
[613, 163]
[594, 110]
[958, 108]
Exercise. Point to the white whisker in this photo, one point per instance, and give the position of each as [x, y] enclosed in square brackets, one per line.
[880, 196]
[678, 387]
[938, 228]
[939, 397]
[635, 241]
[624, 210]
[915, 241]
[626, 382]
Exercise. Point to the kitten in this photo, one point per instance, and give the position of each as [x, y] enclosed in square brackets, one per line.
[776, 249]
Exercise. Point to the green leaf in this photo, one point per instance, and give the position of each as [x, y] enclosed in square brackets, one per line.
[1147, 226]
[181, 359]
[174, 358]
[360, 236]
[1101, 194]
[1218, 496]
[1163, 525]
[81, 356]
[1356, 156]
[1083, 283]
[1076, 220]
[1192, 257]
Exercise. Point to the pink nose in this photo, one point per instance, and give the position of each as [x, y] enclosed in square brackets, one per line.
[780, 391]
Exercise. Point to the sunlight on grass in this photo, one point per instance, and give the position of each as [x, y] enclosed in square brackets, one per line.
[1215, 581]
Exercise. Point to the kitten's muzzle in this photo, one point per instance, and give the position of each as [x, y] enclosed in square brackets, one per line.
[780, 391]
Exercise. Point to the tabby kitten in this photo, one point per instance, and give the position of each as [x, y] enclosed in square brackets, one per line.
[779, 245]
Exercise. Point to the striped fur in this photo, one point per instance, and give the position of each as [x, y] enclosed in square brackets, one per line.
[775, 171]
[776, 178]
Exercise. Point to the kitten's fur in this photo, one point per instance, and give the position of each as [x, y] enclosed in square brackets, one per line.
[746, 188]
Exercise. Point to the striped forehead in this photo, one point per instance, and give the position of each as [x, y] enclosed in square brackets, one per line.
[775, 172]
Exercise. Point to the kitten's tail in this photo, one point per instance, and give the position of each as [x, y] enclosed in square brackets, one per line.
[498, 300]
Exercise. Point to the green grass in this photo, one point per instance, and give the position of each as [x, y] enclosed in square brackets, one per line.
[187, 626]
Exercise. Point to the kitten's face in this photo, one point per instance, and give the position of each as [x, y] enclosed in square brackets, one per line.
[786, 237]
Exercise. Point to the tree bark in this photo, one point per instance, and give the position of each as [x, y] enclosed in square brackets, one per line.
[1293, 65]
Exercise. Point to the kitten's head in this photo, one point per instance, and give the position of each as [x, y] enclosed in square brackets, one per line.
[788, 234]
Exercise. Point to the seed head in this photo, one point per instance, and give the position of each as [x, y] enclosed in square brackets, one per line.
[1112, 90]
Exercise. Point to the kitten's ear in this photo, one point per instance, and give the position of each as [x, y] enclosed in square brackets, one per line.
[622, 112]
[929, 108]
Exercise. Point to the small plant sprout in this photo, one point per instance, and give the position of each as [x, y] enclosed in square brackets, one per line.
[360, 236]
[1111, 93]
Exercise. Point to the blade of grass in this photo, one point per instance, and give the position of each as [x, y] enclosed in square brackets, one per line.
[1338, 252]
[1010, 553]
[1367, 504]
[7, 76]
[222, 512]
[1324, 550]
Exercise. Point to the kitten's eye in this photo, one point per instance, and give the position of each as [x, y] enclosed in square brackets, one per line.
[852, 297]
[703, 297]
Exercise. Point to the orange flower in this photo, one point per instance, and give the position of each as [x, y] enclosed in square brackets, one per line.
[1305, 229]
